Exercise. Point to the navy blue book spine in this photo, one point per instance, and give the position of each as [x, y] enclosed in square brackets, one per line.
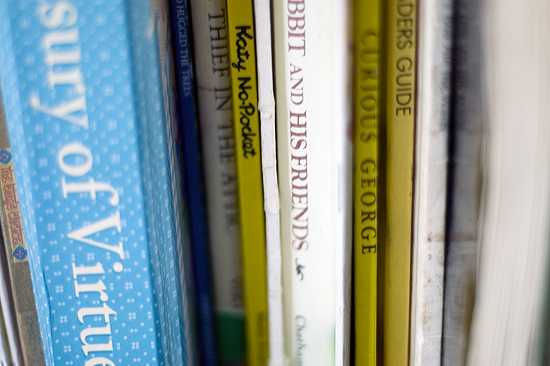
[187, 113]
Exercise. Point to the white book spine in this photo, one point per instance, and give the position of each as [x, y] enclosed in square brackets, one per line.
[266, 106]
[306, 39]
[430, 197]
[216, 127]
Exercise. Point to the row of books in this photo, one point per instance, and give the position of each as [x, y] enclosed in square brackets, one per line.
[276, 182]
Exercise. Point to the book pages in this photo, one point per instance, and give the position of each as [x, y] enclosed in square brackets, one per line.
[514, 234]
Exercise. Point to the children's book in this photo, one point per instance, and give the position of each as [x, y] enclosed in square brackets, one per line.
[246, 129]
[310, 47]
[466, 130]
[19, 324]
[213, 87]
[366, 176]
[266, 109]
[399, 169]
[433, 97]
[509, 315]
[95, 166]
[190, 157]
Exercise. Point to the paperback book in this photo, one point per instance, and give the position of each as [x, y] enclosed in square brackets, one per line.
[399, 129]
[461, 250]
[213, 86]
[246, 129]
[435, 31]
[366, 179]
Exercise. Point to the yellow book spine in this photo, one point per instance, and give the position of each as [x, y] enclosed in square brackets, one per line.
[400, 112]
[367, 43]
[249, 177]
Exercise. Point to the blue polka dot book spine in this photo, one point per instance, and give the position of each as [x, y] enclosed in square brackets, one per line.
[91, 148]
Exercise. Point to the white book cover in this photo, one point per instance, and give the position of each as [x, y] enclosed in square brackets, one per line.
[513, 259]
[312, 125]
[266, 107]
[430, 194]
[212, 68]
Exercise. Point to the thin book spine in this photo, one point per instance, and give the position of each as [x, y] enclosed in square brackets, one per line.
[266, 107]
[430, 196]
[400, 120]
[367, 42]
[464, 184]
[249, 176]
[213, 81]
[343, 146]
[190, 140]
[27, 342]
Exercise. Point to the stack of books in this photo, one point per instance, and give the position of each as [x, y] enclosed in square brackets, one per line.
[274, 182]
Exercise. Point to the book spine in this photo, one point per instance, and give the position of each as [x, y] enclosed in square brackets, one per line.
[463, 205]
[184, 286]
[212, 66]
[27, 345]
[266, 107]
[99, 208]
[367, 42]
[189, 125]
[400, 112]
[249, 176]
[308, 105]
[430, 196]
[343, 145]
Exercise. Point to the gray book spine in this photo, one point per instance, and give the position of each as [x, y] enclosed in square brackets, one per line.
[465, 184]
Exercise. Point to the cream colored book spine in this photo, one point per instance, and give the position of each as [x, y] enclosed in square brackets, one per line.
[212, 67]
[310, 109]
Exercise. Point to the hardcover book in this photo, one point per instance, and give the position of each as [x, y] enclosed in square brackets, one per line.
[313, 155]
[190, 155]
[20, 317]
[94, 163]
